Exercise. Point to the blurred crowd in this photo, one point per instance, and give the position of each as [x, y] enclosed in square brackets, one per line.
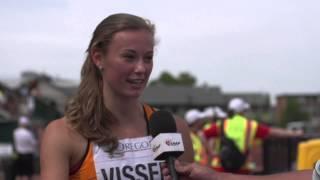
[17, 107]
[210, 126]
[18, 102]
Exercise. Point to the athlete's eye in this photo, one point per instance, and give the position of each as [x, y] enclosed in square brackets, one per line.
[129, 57]
[148, 59]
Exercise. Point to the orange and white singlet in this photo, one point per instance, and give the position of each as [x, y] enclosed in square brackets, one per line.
[131, 160]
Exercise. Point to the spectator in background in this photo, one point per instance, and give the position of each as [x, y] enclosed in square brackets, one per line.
[195, 121]
[33, 92]
[29, 92]
[213, 115]
[209, 116]
[25, 147]
[242, 132]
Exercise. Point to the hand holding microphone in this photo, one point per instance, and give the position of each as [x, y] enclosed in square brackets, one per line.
[167, 144]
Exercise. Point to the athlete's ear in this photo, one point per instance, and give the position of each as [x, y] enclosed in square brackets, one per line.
[97, 58]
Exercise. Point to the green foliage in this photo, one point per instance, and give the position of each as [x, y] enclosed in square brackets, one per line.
[167, 78]
[293, 112]
[187, 79]
[183, 79]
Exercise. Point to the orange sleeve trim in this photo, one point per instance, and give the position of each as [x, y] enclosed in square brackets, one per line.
[87, 169]
[149, 110]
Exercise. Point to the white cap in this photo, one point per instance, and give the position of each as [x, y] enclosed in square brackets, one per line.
[209, 112]
[193, 115]
[220, 113]
[23, 120]
[238, 105]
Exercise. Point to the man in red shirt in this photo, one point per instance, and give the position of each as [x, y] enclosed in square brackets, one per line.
[242, 132]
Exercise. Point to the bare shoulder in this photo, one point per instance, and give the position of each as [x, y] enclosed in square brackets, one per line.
[61, 146]
[183, 128]
[59, 131]
[58, 128]
[57, 134]
[58, 124]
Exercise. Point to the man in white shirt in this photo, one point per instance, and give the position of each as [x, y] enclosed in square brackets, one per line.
[25, 147]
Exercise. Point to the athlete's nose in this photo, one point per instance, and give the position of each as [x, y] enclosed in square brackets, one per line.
[140, 67]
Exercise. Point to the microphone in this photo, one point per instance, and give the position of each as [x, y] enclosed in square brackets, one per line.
[166, 144]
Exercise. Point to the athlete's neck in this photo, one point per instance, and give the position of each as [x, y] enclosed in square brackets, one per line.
[124, 109]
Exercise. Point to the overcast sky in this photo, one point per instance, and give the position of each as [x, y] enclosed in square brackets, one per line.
[268, 46]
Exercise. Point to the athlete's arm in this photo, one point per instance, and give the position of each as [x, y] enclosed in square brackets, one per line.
[183, 128]
[55, 152]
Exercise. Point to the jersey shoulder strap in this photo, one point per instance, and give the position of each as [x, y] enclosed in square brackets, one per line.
[148, 110]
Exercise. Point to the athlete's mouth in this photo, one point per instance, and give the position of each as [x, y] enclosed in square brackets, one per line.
[136, 81]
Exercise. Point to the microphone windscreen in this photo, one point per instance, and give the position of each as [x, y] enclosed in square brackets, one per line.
[162, 122]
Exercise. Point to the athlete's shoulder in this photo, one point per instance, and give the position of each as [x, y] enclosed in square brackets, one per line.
[58, 125]
[61, 131]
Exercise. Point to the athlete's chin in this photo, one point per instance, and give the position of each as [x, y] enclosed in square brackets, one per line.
[135, 93]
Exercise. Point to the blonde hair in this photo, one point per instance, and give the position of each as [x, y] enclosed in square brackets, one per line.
[86, 111]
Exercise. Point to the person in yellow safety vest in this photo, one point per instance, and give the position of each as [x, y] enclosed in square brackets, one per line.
[213, 115]
[209, 114]
[195, 121]
[242, 131]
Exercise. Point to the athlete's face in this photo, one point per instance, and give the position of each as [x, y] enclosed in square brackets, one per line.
[128, 62]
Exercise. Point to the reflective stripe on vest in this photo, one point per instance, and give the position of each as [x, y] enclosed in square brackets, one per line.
[200, 155]
[207, 125]
[236, 128]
